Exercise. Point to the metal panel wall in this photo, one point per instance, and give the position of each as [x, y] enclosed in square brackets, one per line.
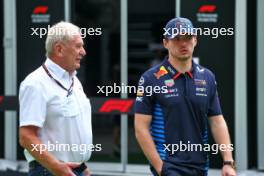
[241, 85]
[1, 79]
[10, 83]
[260, 83]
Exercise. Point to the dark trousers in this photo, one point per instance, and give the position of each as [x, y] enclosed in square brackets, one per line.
[38, 170]
[169, 169]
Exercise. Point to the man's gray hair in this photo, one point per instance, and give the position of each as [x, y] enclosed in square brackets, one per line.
[60, 32]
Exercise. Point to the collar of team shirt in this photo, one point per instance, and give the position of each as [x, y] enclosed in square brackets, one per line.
[59, 73]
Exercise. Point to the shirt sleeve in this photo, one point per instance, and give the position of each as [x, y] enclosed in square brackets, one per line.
[32, 105]
[214, 103]
[143, 103]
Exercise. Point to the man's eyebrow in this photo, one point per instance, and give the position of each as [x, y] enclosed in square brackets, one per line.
[79, 44]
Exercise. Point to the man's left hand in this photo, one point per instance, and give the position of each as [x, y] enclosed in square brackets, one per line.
[228, 171]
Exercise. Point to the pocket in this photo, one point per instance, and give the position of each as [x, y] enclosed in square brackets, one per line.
[85, 103]
[70, 107]
[163, 169]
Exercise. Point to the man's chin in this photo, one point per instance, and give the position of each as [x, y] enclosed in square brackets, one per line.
[77, 66]
[184, 58]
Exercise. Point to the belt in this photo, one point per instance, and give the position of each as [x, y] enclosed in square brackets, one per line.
[80, 169]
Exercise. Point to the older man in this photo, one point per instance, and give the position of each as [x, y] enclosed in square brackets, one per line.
[55, 114]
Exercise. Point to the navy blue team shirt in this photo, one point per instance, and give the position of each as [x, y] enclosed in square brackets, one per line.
[179, 114]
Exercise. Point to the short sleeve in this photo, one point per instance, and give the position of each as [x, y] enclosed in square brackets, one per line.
[143, 103]
[32, 105]
[214, 103]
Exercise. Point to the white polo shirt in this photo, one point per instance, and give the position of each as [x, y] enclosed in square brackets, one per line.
[64, 122]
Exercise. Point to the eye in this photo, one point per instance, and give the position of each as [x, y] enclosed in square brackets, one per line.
[79, 46]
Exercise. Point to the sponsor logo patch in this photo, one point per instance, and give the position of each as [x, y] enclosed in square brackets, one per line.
[171, 70]
[169, 82]
[172, 90]
[162, 71]
[200, 69]
[172, 95]
[199, 82]
[141, 81]
[139, 93]
[200, 89]
[140, 99]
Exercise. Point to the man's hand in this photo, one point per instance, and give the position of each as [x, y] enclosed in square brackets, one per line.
[65, 169]
[145, 140]
[28, 135]
[86, 172]
[158, 168]
[228, 171]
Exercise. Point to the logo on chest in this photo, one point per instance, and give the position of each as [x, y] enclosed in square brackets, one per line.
[201, 91]
[171, 91]
[199, 82]
[169, 82]
[162, 71]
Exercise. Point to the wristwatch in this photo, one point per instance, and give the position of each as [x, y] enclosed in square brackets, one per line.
[230, 163]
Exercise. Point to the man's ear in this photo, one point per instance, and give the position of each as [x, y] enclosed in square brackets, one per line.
[195, 40]
[165, 43]
[58, 49]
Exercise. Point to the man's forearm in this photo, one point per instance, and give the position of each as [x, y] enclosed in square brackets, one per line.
[42, 156]
[221, 136]
[146, 143]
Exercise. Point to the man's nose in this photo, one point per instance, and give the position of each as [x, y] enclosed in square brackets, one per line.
[83, 52]
[184, 42]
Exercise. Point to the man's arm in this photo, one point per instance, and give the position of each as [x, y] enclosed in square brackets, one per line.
[144, 138]
[28, 138]
[221, 136]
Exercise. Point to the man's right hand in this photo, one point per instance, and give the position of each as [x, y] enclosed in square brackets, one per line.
[65, 169]
[158, 168]
[144, 138]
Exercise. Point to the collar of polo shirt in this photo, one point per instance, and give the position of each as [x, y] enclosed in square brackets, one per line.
[58, 71]
[174, 73]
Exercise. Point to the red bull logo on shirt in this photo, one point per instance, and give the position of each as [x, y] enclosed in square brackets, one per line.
[162, 71]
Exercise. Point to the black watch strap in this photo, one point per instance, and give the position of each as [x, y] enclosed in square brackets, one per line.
[230, 163]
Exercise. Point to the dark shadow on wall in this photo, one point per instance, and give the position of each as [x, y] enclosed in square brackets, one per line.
[252, 83]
